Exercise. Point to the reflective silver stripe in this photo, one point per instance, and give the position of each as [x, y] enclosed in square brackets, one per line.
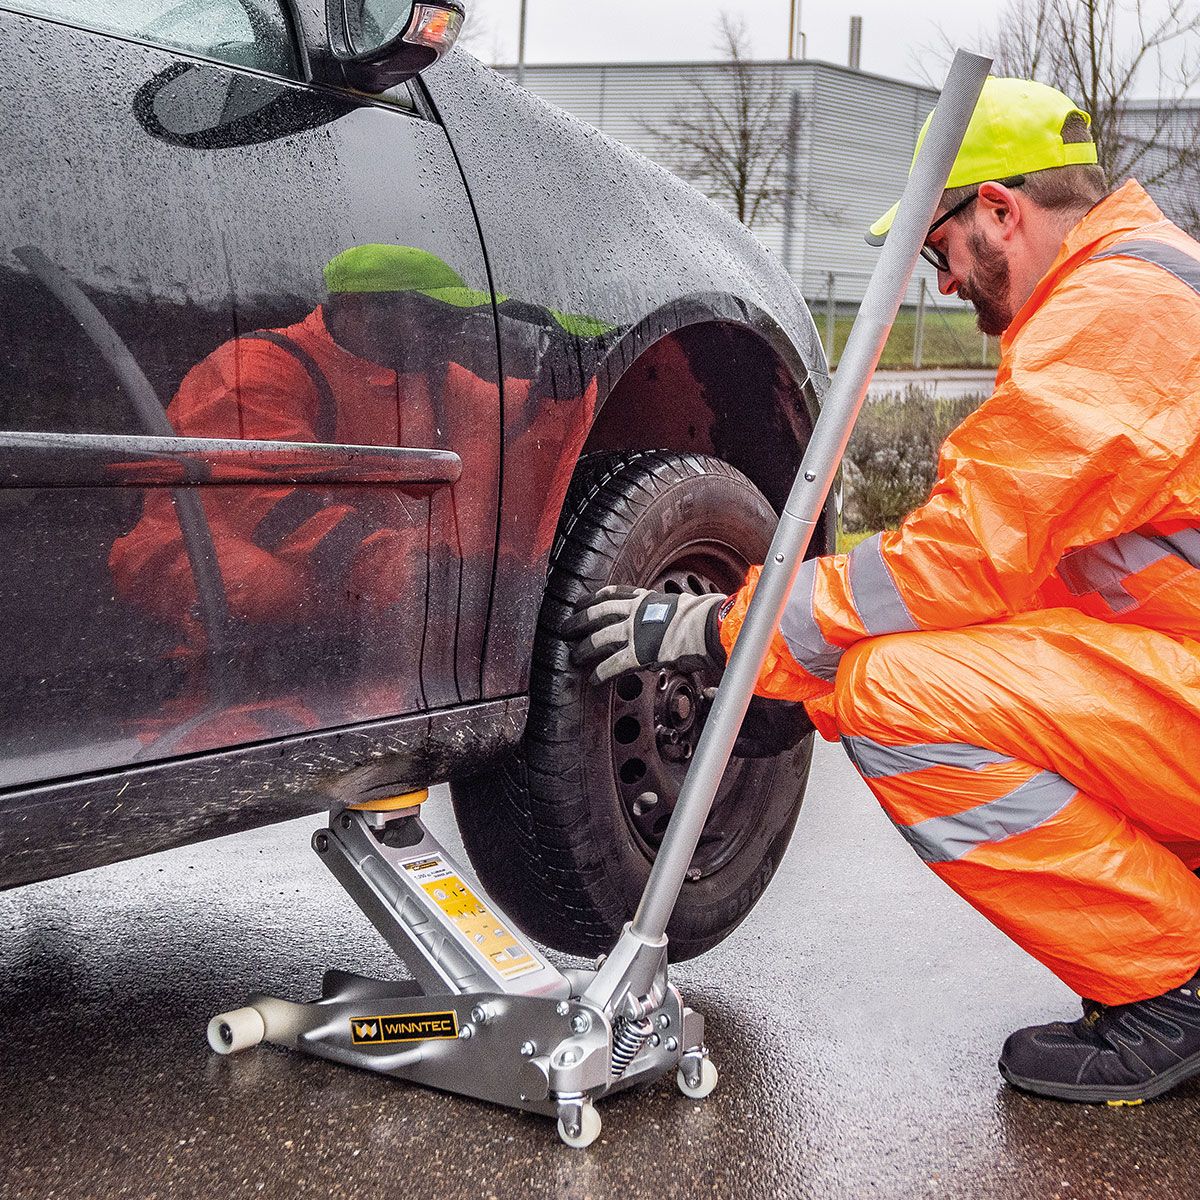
[877, 761]
[1185, 543]
[801, 631]
[876, 598]
[945, 839]
[1103, 569]
[1177, 262]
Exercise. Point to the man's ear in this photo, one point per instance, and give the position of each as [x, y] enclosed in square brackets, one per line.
[1000, 206]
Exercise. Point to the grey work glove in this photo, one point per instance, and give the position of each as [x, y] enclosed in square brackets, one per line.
[624, 628]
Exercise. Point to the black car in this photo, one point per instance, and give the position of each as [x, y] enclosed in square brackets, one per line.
[334, 372]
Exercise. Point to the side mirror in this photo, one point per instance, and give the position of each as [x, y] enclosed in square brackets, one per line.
[382, 43]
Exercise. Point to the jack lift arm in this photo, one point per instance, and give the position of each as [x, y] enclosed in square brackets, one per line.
[486, 1015]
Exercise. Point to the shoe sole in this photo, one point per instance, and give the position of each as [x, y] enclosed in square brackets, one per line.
[1084, 1093]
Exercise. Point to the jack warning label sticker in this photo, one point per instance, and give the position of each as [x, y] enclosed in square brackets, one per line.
[477, 926]
[403, 1027]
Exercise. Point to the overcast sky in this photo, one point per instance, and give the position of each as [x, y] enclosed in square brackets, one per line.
[894, 34]
[897, 37]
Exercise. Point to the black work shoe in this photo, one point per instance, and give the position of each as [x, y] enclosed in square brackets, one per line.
[1122, 1054]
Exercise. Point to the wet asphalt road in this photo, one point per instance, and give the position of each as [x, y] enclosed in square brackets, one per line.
[855, 1017]
[939, 382]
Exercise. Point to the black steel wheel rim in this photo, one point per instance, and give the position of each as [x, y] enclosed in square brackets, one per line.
[654, 723]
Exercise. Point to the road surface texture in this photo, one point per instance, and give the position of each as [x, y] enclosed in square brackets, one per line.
[942, 383]
[855, 1017]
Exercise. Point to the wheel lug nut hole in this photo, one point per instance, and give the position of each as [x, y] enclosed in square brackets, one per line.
[632, 769]
[627, 730]
[629, 687]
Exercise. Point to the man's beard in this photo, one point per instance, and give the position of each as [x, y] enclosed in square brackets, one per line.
[987, 286]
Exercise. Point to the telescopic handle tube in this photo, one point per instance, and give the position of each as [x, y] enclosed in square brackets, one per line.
[885, 291]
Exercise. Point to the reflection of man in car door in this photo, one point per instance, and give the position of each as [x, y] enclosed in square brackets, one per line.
[358, 371]
[402, 353]
[379, 364]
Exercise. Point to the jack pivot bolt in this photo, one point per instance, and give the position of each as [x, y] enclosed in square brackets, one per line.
[528, 1049]
[581, 1023]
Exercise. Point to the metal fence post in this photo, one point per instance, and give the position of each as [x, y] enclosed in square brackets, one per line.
[830, 314]
[919, 332]
[791, 185]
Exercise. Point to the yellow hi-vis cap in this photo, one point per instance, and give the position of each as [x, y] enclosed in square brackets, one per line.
[1016, 129]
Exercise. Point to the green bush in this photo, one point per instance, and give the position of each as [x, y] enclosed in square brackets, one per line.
[891, 461]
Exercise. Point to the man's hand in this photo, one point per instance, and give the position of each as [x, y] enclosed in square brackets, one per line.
[624, 628]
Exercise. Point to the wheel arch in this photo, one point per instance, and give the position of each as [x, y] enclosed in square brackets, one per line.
[715, 376]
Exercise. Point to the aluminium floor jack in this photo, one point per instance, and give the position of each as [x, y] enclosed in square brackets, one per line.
[486, 1015]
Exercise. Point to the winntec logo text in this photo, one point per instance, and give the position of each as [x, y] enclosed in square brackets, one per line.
[403, 1027]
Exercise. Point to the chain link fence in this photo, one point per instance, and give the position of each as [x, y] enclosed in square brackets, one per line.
[931, 330]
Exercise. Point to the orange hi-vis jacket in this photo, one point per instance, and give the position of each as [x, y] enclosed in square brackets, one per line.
[1076, 483]
[1015, 670]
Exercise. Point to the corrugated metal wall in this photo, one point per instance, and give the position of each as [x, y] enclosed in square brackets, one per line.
[862, 130]
[1170, 176]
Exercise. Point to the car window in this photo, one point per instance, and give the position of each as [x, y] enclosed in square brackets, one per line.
[247, 33]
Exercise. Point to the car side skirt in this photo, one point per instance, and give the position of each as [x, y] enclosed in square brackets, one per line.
[92, 821]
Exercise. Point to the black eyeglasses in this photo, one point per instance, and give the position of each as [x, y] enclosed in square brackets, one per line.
[931, 254]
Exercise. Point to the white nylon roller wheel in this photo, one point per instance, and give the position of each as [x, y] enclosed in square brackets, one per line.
[240, 1029]
[589, 1128]
[705, 1084]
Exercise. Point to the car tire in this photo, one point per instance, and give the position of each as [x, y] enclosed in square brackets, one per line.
[564, 834]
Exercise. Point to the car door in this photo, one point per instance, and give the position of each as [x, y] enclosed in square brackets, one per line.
[248, 392]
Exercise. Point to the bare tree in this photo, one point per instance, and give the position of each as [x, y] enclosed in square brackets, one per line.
[730, 137]
[477, 36]
[1098, 52]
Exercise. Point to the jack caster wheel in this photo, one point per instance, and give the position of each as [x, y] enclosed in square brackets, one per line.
[589, 1128]
[698, 1086]
[240, 1029]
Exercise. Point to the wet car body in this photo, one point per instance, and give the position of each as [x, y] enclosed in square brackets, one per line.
[162, 201]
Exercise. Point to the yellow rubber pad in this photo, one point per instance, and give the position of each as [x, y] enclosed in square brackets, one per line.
[392, 803]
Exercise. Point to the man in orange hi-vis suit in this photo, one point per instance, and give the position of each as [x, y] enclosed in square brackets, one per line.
[1015, 670]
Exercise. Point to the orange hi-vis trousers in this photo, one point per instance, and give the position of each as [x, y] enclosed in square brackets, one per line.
[1047, 767]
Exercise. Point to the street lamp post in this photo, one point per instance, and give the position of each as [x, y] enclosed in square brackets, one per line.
[521, 48]
[795, 33]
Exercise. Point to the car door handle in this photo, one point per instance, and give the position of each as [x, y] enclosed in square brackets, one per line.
[119, 460]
